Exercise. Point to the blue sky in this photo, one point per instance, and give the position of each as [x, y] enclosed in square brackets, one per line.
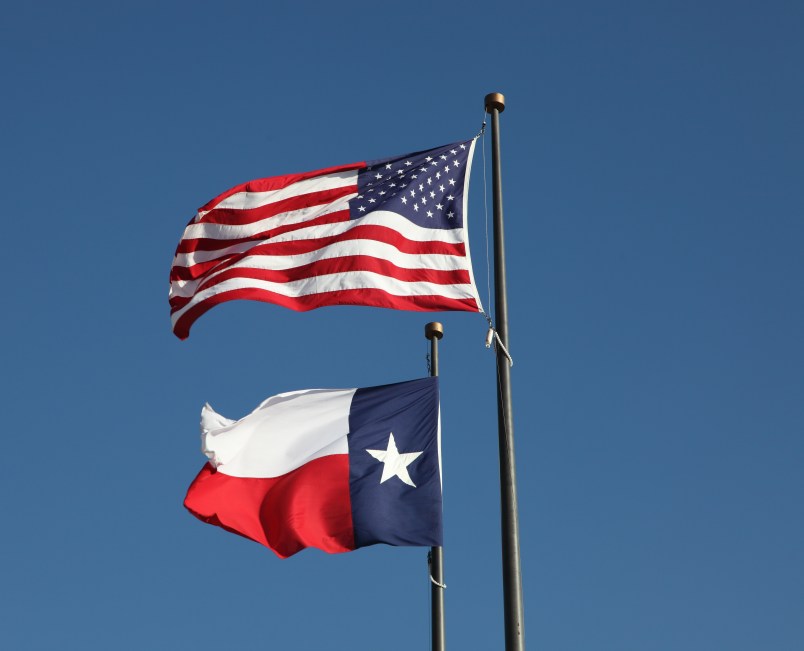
[652, 167]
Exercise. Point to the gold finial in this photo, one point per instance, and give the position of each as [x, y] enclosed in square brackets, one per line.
[495, 101]
[434, 329]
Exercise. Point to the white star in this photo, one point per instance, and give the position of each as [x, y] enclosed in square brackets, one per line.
[450, 214]
[451, 182]
[429, 213]
[388, 166]
[453, 152]
[361, 208]
[408, 163]
[463, 146]
[394, 463]
[404, 199]
[439, 206]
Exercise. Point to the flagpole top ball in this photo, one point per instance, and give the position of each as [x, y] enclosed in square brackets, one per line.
[495, 101]
[434, 329]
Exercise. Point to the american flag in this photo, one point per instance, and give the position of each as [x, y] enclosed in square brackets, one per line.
[388, 233]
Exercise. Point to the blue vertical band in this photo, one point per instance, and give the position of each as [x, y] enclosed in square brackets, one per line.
[394, 512]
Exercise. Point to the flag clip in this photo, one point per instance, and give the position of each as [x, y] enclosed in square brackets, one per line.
[492, 335]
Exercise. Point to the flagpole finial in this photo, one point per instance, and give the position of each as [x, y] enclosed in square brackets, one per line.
[495, 101]
[434, 329]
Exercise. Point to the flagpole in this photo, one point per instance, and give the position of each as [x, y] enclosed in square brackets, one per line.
[434, 331]
[512, 576]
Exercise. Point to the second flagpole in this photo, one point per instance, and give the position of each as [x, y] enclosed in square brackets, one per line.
[434, 331]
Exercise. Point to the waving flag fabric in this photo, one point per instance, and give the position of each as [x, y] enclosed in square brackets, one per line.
[335, 469]
[388, 233]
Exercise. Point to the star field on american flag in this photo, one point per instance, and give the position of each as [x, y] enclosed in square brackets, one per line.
[424, 187]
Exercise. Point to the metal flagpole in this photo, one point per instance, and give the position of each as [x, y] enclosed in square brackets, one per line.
[434, 331]
[512, 576]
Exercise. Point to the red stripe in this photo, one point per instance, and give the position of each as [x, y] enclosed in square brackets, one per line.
[367, 297]
[295, 247]
[277, 182]
[332, 266]
[210, 244]
[241, 216]
[308, 507]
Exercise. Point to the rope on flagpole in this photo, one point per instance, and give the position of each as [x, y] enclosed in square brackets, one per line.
[443, 586]
[492, 336]
[486, 211]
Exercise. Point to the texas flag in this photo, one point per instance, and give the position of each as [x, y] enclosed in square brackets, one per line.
[335, 469]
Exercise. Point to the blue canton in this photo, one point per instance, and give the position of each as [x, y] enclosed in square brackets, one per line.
[425, 187]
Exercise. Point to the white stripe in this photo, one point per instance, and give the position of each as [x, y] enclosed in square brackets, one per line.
[372, 248]
[392, 220]
[331, 283]
[248, 200]
[236, 231]
[285, 432]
